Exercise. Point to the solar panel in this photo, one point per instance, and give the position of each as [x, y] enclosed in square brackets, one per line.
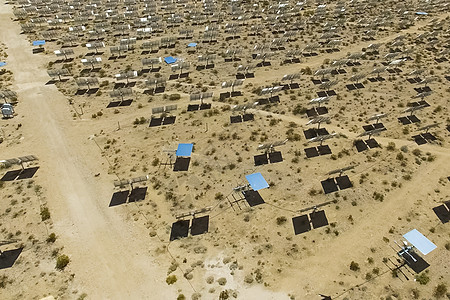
[157, 110]
[323, 71]
[170, 107]
[320, 99]
[355, 55]
[201, 96]
[290, 77]
[180, 66]
[50, 35]
[95, 45]
[155, 81]
[271, 145]
[233, 52]
[271, 90]
[121, 183]
[423, 94]
[339, 171]
[318, 119]
[428, 126]
[207, 57]
[322, 138]
[328, 84]
[378, 70]
[414, 108]
[243, 107]
[119, 93]
[429, 80]
[234, 83]
[372, 132]
[130, 41]
[126, 75]
[8, 94]
[150, 45]
[377, 116]
[151, 61]
[87, 81]
[357, 77]
[64, 52]
[19, 160]
[77, 29]
[91, 61]
[58, 72]
[245, 68]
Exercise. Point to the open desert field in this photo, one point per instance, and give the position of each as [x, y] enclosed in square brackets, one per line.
[224, 149]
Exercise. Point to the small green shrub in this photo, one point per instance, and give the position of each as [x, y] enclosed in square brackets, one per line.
[422, 278]
[62, 261]
[45, 213]
[171, 279]
[354, 266]
[51, 238]
[281, 220]
[440, 290]
[174, 97]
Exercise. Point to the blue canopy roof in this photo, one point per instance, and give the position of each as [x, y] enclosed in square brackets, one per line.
[192, 44]
[170, 60]
[184, 150]
[419, 241]
[257, 181]
[39, 43]
[2, 63]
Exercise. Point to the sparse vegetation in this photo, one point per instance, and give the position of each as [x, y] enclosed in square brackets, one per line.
[354, 266]
[62, 261]
[171, 279]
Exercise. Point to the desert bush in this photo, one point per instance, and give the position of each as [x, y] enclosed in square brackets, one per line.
[62, 261]
[51, 238]
[222, 281]
[354, 266]
[174, 97]
[422, 278]
[440, 290]
[391, 146]
[281, 220]
[171, 279]
[45, 213]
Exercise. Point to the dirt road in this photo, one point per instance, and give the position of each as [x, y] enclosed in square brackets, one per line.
[106, 253]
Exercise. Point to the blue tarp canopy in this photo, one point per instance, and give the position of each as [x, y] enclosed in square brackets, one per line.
[170, 60]
[184, 150]
[419, 241]
[192, 44]
[257, 181]
[2, 63]
[39, 43]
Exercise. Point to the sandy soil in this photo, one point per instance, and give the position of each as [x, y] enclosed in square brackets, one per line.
[124, 251]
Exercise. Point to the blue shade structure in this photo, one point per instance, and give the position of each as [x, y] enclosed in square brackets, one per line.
[419, 241]
[184, 150]
[257, 181]
[170, 60]
[39, 43]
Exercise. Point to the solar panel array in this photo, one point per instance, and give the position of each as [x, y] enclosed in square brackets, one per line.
[120, 93]
[58, 72]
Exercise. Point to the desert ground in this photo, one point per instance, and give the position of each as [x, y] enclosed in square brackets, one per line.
[84, 143]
